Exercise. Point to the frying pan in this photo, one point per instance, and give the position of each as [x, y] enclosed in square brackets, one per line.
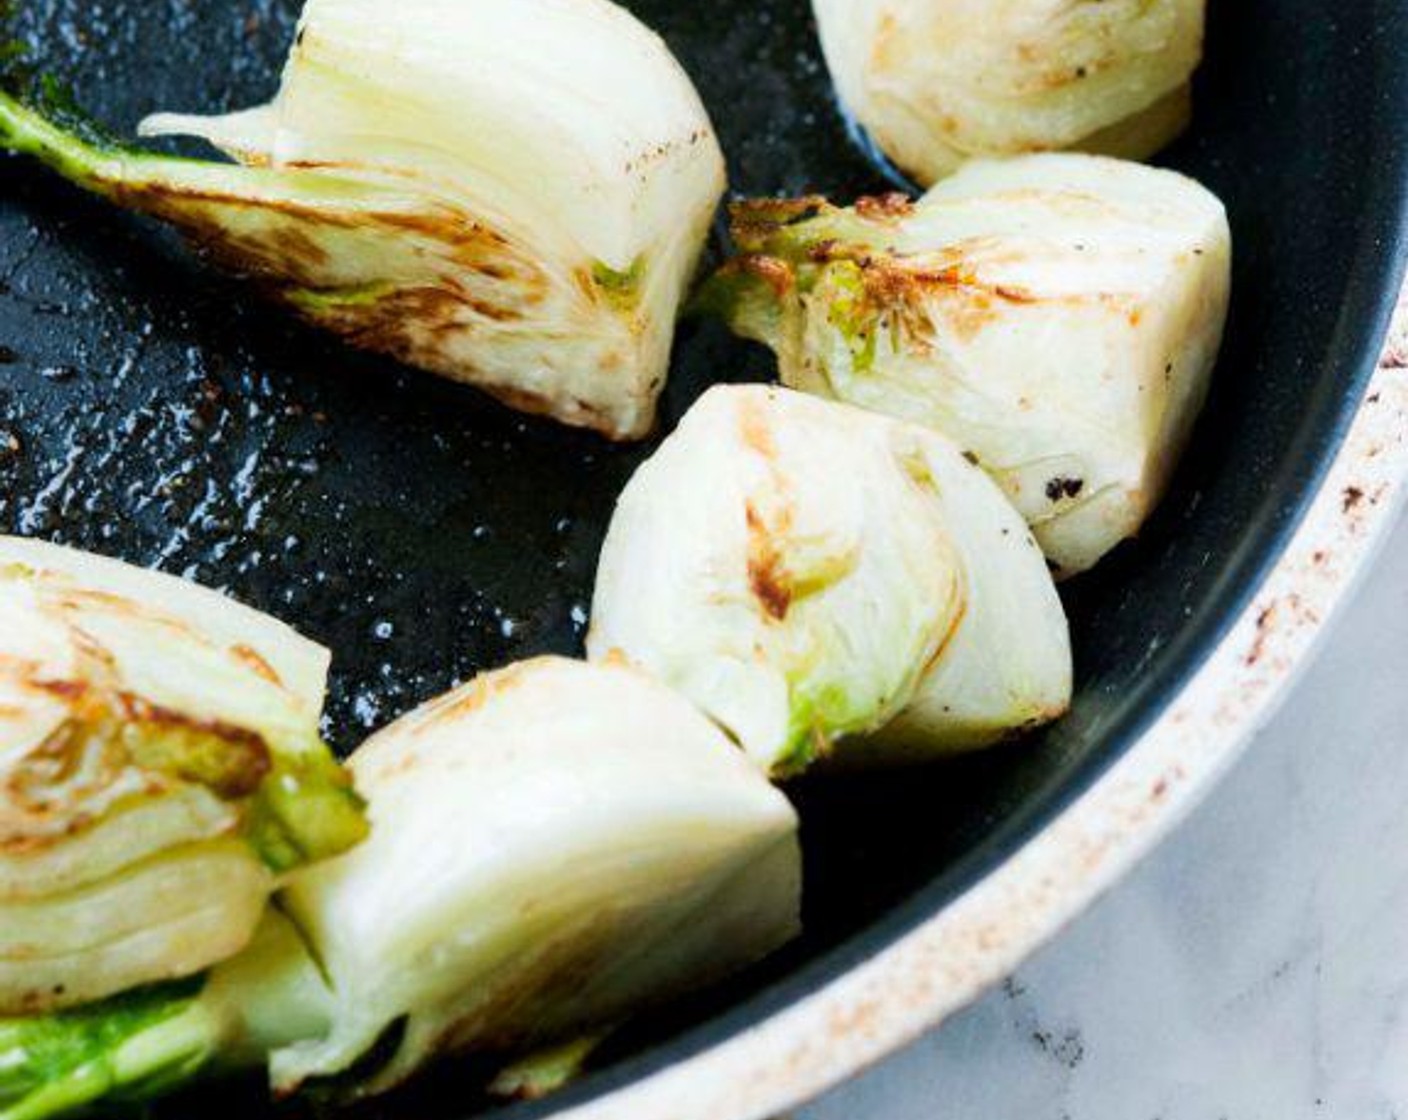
[155, 411]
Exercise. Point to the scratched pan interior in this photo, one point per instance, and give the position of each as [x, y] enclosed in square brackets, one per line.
[155, 411]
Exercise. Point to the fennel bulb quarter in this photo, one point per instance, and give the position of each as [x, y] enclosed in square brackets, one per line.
[825, 581]
[552, 846]
[938, 82]
[511, 193]
[160, 765]
[1057, 316]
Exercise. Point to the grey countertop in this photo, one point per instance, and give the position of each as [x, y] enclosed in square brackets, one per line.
[1254, 968]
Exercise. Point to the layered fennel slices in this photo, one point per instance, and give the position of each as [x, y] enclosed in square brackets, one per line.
[1057, 316]
[938, 82]
[825, 581]
[553, 846]
[476, 187]
[160, 767]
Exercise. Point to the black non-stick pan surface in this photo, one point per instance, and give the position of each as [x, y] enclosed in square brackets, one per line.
[153, 410]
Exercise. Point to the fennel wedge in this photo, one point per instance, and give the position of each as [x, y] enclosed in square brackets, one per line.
[553, 846]
[938, 82]
[472, 186]
[827, 582]
[160, 766]
[1057, 316]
